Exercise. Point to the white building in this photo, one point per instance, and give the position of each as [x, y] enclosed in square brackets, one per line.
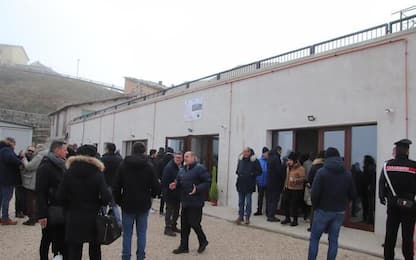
[353, 92]
[21, 133]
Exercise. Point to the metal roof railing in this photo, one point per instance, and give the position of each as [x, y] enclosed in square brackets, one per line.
[372, 33]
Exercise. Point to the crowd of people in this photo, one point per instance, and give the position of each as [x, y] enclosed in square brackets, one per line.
[76, 183]
[64, 188]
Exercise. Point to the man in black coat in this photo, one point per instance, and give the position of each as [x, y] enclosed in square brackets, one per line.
[82, 192]
[248, 169]
[162, 159]
[193, 182]
[48, 178]
[111, 162]
[9, 177]
[275, 182]
[172, 197]
[134, 187]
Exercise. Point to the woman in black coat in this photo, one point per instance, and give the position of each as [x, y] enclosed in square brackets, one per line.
[83, 192]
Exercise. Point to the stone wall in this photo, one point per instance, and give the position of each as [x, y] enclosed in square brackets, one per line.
[40, 122]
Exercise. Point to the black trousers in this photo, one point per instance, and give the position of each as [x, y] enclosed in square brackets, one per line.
[272, 202]
[191, 218]
[30, 201]
[162, 204]
[19, 203]
[395, 217]
[56, 237]
[292, 203]
[75, 251]
[172, 214]
[262, 195]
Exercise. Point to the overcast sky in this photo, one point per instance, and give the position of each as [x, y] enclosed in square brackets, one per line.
[176, 41]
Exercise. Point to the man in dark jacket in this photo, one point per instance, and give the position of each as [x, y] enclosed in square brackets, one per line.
[134, 187]
[111, 162]
[193, 182]
[401, 172]
[262, 182]
[49, 176]
[317, 164]
[331, 190]
[9, 177]
[275, 181]
[172, 197]
[248, 169]
[162, 159]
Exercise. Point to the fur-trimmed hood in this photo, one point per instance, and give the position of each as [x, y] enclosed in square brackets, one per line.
[86, 159]
[318, 161]
[252, 158]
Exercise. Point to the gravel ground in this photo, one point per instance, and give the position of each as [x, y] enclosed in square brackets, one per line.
[227, 241]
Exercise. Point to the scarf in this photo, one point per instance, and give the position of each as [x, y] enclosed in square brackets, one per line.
[56, 160]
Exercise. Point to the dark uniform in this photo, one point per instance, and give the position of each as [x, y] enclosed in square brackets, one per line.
[402, 174]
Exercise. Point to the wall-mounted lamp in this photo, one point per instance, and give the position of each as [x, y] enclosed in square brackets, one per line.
[311, 118]
[223, 126]
[389, 110]
[190, 130]
[132, 136]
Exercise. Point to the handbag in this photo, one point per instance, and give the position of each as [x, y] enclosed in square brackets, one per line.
[402, 203]
[108, 229]
[56, 216]
[307, 197]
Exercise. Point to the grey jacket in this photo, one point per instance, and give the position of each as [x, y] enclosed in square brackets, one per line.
[29, 171]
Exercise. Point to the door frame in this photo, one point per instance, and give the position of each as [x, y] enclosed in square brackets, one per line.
[347, 158]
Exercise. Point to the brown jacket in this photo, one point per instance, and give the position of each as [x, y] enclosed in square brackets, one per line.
[295, 177]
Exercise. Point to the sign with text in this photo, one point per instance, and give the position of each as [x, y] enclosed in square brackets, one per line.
[193, 109]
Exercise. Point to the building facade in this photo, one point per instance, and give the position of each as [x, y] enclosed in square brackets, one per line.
[13, 54]
[355, 97]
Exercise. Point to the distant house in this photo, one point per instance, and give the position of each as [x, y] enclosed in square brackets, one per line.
[61, 118]
[139, 87]
[13, 54]
[21, 133]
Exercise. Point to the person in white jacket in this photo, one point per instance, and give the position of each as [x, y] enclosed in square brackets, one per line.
[29, 182]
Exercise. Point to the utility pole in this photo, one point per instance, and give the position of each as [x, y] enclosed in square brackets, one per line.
[77, 67]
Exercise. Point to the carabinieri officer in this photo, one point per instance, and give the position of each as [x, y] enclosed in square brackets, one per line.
[398, 190]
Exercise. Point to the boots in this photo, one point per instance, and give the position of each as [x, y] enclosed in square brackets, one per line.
[286, 221]
[246, 221]
[176, 229]
[8, 222]
[238, 221]
[294, 222]
[169, 232]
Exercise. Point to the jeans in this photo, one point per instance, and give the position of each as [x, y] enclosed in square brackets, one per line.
[395, 217]
[191, 218]
[128, 221]
[325, 221]
[244, 204]
[7, 194]
[172, 214]
[262, 194]
[272, 202]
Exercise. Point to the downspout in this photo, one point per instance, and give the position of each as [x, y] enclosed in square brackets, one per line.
[406, 88]
[229, 144]
[154, 125]
[114, 127]
[83, 131]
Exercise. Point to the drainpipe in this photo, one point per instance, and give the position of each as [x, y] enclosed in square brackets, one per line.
[229, 144]
[406, 88]
[154, 125]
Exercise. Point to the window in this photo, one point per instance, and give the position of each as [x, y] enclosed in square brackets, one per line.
[283, 139]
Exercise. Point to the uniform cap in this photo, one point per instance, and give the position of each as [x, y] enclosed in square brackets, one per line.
[404, 143]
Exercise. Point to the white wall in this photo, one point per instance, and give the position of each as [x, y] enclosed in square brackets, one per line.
[348, 88]
[22, 135]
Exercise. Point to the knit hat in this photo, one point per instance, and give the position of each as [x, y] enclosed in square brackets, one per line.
[265, 150]
[87, 150]
[331, 152]
[293, 156]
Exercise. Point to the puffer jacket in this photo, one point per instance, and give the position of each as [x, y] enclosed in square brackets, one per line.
[262, 179]
[247, 171]
[295, 177]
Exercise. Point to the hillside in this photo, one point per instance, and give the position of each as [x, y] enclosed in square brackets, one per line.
[25, 89]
